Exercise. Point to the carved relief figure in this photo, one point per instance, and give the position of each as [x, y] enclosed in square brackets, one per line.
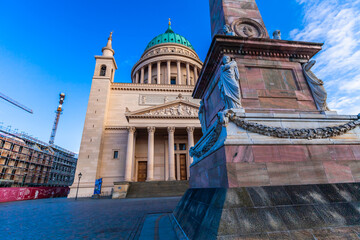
[229, 84]
[180, 110]
[189, 111]
[316, 86]
[249, 31]
[227, 30]
[202, 116]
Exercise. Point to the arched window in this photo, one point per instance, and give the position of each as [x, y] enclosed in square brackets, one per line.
[103, 70]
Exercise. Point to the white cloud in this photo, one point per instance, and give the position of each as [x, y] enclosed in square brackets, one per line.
[337, 24]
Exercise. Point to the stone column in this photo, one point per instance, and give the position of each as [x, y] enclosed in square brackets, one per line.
[168, 72]
[190, 131]
[171, 131]
[178, 72]
[150, 161]
[178, 177]
[158, 72]
[142, 75]
[196, 74]
[137, 77]
[188, 74]
[166, 162]
[149, 73]
[133, 167]
[129, 154]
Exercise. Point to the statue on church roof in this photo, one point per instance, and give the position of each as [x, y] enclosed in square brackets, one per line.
[229, 84]
[227, 30]
[316, 86]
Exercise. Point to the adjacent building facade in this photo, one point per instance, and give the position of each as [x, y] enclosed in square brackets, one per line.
[26, 161]
[141, 131]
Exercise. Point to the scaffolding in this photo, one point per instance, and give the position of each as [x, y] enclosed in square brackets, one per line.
[27, 161]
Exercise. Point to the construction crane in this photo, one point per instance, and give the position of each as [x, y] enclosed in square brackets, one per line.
[12, 101]
[57, 117]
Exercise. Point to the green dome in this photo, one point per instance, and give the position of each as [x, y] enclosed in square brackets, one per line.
[169, 37]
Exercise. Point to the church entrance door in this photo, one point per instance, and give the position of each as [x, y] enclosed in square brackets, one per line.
[142, 171]
[183, 174]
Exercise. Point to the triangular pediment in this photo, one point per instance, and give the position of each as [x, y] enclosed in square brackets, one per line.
[174, 109]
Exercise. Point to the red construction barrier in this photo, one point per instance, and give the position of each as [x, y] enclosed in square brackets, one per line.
[29, 193]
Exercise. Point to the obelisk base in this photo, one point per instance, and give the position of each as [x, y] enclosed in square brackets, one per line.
[326, 211]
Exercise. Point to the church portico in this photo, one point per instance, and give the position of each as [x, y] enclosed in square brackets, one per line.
[159, 153]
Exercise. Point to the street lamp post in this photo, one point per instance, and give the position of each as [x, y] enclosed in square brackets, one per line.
[77, 190]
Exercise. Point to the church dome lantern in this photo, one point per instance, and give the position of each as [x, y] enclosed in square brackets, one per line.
[169, 58]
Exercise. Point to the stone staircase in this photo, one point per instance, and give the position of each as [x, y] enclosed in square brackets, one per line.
[157, 189]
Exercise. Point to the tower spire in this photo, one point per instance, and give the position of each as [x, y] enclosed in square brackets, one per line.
[108, 51]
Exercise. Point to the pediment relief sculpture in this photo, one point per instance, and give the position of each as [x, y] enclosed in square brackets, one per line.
[175, 110]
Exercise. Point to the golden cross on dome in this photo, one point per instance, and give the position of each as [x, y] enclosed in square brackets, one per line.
[169, 21]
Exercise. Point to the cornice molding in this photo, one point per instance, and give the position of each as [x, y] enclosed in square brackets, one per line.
[151, 87]
[163, 58]
[107, 58]
[190, 51]
[266, 48]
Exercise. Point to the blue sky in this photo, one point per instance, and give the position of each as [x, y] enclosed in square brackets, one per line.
[48, 47]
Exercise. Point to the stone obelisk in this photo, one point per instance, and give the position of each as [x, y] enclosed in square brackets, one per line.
[274, 160]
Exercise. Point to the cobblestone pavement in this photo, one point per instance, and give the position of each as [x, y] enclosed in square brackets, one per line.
[62, 218]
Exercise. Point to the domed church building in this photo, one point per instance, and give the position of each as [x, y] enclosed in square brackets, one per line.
[141, 131]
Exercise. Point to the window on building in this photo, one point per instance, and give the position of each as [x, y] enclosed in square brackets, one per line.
[154, 81]
[116, 154]
[2, 143]
[3, 172]
[182, 146]
[20, 149]
[175, 147]
[12, 174]
[103, 70]
[173, 81]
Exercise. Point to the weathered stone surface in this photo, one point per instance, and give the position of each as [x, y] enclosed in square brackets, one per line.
[282, 212]
[264, 165]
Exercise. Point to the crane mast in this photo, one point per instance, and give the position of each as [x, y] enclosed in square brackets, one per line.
[57, 117]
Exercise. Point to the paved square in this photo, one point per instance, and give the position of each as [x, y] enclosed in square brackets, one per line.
[62, 218]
